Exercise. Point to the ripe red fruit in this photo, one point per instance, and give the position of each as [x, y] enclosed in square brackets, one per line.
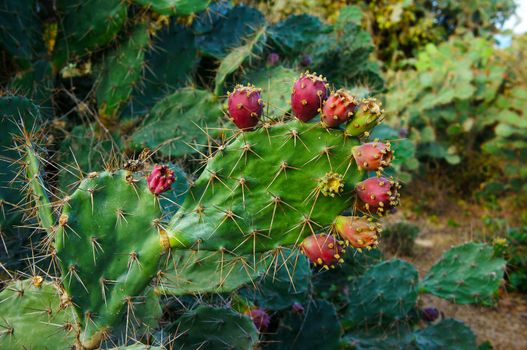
[260, 319]
[245, 106]
[359, 232]
[338, 108]
[160, 179]
[378, 194]
[322, 249]
[309, 93]
[373, 156]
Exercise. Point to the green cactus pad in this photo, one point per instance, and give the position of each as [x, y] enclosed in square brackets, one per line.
[86, 25]
[172, 199]
[34, 315]
[138, 346]
[317, 328]
[83, 149]
[109, 244]
[175, 7]
[276, 84]
[20, 30]
[466, 274]
[292, 35]
[222, 28]
[384, 294]
[179, 122]
[266, 189]
[193, 272]
[236, 58]
[120, 72]
[37, 84]
[287, 281]
[448, 334]
[174, 43]
[213, 328]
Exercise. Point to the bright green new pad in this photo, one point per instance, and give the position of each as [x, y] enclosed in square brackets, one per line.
[175, 7]
[194, 272]
[108, 244]
[466, 274]
[32, 316]
[263, 190]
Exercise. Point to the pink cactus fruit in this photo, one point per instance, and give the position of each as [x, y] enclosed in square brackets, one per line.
[338, 108]
[323, 250]
[309, 93]
[373, 156]
[260, 319]
[358, 232]
[378, 194]
[160, 179]
[245, 106]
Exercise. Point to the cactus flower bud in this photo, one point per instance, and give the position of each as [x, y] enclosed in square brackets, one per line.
[160, 179]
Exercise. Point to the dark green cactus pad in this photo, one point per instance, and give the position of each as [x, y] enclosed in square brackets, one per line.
[384, 294]
[35, 317]
[36, 83]
[292, 35]
[174, 43]
[13, 111]
[138, 346]
[213, 328]
[398, 337]
[317, 328]
[237, 57]
[221, 28]
[109, 244]
[120, 72]
[86, 25]
[466, 274]
[175, 7]
[276, 83]
[287, 281]
[83, 150]
[179, 122]
[194, 272]
[20, 30]
[266, 189]
[448, 334]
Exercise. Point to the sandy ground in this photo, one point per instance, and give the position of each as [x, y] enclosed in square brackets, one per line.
[505, 325]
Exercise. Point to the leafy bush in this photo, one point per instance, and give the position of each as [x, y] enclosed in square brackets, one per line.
[399, 238]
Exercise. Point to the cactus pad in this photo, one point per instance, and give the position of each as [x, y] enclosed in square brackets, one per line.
[207, 327]
[35, 314]
[175, 7]
[109, 243]
[385, 293]
[448, 334]
[268, 188]
[469, 273]
[178, 122]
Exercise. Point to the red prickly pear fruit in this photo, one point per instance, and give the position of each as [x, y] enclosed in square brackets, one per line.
[297, 308]
[245, 106]
[272, 59]
[373, 156]
[338, 108]
[260, 319]
[430, 314]
[323, 250]
[367, 115]
[378, 194]
[359, 232]
[160, 179]
[309, 93]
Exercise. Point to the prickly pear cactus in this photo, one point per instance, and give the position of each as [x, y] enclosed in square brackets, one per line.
[268, 188]
[109, 241]
[215, 328]
[53, 322]
[466, 274]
